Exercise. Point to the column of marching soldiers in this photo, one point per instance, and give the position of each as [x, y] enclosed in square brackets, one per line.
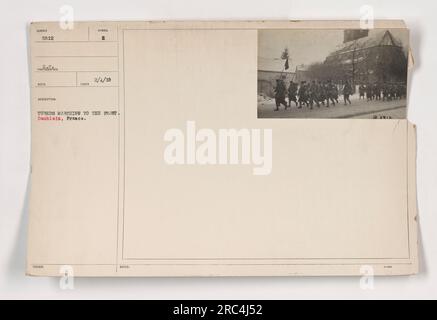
[326, 93]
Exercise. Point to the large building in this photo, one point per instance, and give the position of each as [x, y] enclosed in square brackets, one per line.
[368, 56]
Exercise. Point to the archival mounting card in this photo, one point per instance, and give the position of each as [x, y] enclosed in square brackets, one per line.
[269, 148]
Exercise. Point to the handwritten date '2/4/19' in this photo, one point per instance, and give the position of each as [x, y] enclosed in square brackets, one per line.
[102, 79]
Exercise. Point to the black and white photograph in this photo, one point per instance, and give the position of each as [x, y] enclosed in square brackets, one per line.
[352, 73]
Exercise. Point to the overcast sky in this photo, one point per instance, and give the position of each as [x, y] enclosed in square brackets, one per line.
[304, 46]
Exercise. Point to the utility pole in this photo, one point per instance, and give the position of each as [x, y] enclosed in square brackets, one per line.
[353, 66]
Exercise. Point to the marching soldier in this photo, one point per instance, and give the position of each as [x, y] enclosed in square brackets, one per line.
[314, 94]
[330, 93]
[280, 94]
[303, 99]
[322, 92]
[362, 90]
[335, 92]
[398, 91]
[392, 92]
[369, 92]
[385, 92]
[347, 91]
[292, 92]
[377, 91]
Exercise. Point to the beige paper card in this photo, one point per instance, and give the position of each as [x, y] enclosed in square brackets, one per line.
[157, 149]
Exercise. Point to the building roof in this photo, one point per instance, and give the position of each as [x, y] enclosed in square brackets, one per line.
[374, 39]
